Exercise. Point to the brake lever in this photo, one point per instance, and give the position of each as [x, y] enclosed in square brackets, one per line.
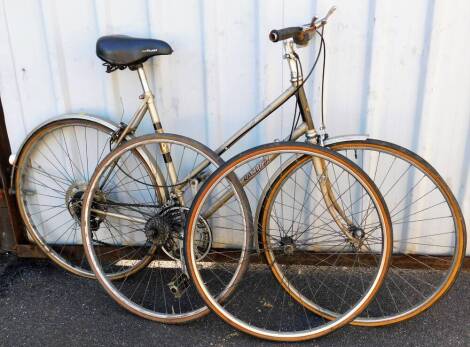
[317, 23]
[303, 37]
[324, 20]
[330, 12]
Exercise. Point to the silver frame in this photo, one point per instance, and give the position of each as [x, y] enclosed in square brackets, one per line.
[306, 127]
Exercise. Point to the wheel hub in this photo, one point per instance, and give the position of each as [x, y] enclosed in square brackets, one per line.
[357, 239]
[356, 232]
[158, 229]
[287, 245]
[73, 199]
[74, 202]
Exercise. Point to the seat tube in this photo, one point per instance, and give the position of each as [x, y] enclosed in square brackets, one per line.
[157, 125]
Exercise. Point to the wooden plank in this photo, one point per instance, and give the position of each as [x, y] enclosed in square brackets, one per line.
[422, 262]
[12, 232]
[29, 251]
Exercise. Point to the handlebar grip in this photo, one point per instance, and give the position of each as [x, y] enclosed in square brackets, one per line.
[283, 34]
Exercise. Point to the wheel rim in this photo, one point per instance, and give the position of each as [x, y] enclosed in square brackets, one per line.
[160, 291]
[233, 312]
[418, 277]
[47, 171]
[355, 258]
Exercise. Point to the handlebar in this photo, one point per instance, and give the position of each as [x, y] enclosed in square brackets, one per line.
[301, 34]
[284, 34]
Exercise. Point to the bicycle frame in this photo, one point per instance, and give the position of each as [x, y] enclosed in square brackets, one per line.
[307, 128]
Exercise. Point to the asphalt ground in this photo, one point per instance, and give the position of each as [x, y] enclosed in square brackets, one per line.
[42, 305]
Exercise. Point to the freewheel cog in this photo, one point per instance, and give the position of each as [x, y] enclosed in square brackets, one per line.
[74, 202]
[175, 219]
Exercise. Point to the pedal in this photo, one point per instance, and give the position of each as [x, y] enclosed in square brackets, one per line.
[179, 284]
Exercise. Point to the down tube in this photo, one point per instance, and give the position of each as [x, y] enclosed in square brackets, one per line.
[281, 99]
[301, 130]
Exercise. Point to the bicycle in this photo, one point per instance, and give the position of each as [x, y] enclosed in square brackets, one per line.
[125, 213]
[324, 269]
[428, 226]
[74, 192]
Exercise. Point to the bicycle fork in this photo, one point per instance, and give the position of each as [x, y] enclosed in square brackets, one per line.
[339, 216]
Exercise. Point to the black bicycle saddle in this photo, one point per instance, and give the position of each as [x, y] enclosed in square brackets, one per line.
[123, 50]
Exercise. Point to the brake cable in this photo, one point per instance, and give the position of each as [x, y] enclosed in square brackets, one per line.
[323, 79]
[322, 47]
[144, 183]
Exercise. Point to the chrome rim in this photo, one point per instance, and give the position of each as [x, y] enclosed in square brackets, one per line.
[51, 177]
[429, 236]
[161, 290]
[258, 301]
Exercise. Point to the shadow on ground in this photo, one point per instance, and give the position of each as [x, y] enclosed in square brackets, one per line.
[41, 304]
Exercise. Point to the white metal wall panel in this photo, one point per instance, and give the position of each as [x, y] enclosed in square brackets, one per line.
[398, 70]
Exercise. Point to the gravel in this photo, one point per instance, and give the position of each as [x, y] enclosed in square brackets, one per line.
[42, 305]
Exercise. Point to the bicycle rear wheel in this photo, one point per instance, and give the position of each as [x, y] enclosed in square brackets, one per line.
[301, 253]
[133, 240]
[428, 227]
[52, 172]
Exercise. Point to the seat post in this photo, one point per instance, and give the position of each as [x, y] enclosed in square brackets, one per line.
[143, 79]
[157, 125]
[150, 99]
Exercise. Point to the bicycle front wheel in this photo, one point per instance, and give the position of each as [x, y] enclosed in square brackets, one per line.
[312, 257]
[428, 227]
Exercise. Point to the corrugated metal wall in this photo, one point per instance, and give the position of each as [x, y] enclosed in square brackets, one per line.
[398, 70]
